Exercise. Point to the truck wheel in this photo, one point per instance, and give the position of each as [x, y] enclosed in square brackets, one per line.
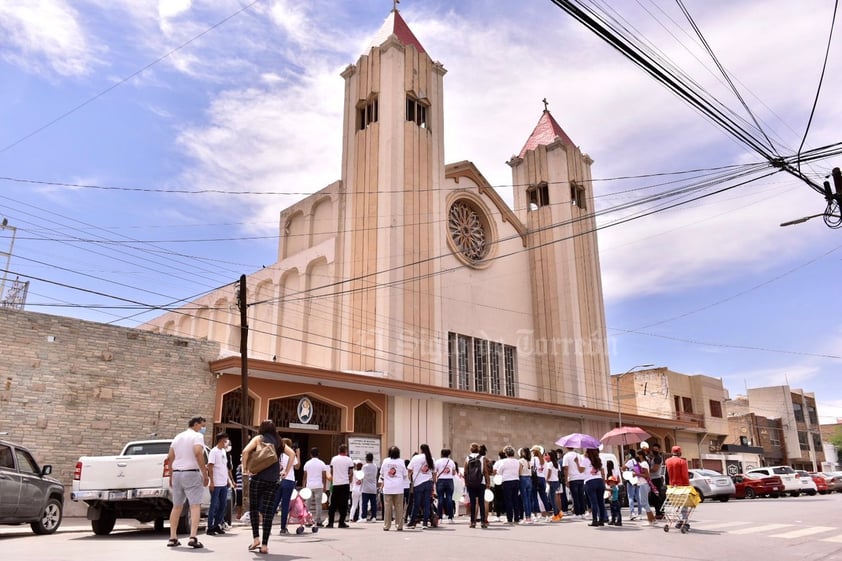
[50, 518]
[105, 524]
[159, 524]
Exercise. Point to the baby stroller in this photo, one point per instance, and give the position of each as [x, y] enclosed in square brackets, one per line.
[299, 514]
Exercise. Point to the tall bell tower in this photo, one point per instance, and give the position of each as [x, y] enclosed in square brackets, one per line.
[554, 199]
[392, 174]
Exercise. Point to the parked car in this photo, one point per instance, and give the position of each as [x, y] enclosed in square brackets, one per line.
[751, 485]
[808, 484]
[27, 493]
[834, 481]
[792, 483]
[712, 484]
[134, 484]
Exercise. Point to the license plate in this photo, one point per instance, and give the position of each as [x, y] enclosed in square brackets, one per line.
[117, 496]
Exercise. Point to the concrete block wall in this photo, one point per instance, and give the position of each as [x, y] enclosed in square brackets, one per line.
[70, 388]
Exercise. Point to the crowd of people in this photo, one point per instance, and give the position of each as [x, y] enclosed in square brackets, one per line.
[520, 486]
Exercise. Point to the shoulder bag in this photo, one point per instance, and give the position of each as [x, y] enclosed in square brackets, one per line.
[262, 457]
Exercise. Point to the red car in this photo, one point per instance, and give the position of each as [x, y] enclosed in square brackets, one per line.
[751, 485]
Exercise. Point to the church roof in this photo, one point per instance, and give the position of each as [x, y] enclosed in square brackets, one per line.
[395, 25]
[546, 132]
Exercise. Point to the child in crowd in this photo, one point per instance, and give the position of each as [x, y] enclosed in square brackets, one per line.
[616, 514]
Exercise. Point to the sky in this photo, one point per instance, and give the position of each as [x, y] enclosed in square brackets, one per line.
[148, 146]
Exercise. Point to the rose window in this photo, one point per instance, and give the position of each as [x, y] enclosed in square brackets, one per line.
[467, 231]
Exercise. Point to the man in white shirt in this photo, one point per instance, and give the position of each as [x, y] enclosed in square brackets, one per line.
[575, 482]
[188, 478]
[341, 467]
[219, 482]
[315, 479]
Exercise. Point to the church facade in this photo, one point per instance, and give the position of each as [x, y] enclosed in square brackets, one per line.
[409, 303]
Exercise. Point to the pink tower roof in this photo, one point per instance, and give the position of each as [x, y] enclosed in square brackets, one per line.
[546, 132]
[395, 25]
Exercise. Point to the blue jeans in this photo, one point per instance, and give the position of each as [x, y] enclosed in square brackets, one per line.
[526, 495]
[422, 495]
[595, 489]
[554, 485]
[444, 489]
[633, 492]
[216, 512]
[540, 491]
[282, 497]
[369, 499]
[510, 489]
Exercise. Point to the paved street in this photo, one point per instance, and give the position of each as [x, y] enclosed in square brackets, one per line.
[767, 529]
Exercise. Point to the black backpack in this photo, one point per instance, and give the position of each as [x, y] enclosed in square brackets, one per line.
[474, 476]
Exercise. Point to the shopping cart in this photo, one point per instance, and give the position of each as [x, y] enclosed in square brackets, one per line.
[679, 506]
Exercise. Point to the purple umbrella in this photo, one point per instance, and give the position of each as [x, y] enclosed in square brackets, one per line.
[578, 440]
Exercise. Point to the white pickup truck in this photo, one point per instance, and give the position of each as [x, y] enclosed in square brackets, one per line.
[134, 484]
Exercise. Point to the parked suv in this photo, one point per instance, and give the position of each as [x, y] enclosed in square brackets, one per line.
[27, 493]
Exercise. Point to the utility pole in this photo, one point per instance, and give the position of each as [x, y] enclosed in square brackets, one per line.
[242, 304]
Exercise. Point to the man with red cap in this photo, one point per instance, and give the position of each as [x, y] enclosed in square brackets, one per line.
[677, 471]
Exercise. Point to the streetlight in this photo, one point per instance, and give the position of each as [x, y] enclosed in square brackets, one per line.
[804, 219]
[620, 377]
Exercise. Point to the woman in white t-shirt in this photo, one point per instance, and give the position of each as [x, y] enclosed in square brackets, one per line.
[643, 485]
[445, 468]
[287, 485]
[422, 478]
[393, 477]
[590, 465]
[509, 470]
[551, 472]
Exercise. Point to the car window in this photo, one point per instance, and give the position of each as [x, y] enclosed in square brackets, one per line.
[783, 470]
[6, 460]
[26, 463]
[146, 448]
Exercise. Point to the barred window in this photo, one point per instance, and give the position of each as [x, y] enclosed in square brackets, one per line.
[481, 366]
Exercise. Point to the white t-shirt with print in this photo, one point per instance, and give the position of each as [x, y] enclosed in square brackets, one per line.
[421, 472]
[572, 471]
[393, 476]
[445, 468]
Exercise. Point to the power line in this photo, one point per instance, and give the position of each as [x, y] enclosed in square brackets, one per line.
[126, 79]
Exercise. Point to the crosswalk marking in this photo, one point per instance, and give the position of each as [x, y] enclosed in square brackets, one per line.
[809, 531]
[716, 525]
[762, 528]
[835, 539]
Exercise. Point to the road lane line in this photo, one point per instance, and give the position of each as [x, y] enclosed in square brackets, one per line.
[835, 539]
[761, 528]
[809, 531]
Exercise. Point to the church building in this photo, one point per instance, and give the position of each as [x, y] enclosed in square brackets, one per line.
[409, 303]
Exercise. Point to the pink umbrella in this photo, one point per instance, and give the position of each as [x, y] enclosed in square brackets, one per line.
[623, 436]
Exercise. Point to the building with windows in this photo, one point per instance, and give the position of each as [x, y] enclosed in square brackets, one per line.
[409, 303]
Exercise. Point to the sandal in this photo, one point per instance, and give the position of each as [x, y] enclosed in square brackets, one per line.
[173, 542]
[194, 543]
[254, 546]
[264, 550]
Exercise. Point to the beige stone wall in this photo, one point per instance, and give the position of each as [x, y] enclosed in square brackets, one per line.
[496, 428]
[73, 388]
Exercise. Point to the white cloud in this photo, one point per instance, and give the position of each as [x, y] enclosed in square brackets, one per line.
[45, 36]
[172, 8]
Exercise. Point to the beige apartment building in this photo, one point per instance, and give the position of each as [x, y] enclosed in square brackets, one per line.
[695, 404]
[409, 303]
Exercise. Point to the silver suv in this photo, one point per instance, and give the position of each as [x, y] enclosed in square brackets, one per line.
[27, 493]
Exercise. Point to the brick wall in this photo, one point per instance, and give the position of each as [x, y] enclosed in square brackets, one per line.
[70, 387]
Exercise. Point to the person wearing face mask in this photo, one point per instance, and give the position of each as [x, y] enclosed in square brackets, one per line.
[219, 481]
[188, 477]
